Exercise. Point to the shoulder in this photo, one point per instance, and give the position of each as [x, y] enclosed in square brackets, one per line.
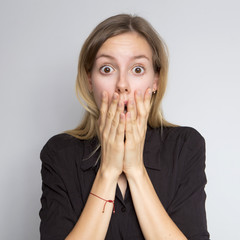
[181, 136]
[188, 135]
[188, 147]
[190, 144]
[59, 142]
[61, 148]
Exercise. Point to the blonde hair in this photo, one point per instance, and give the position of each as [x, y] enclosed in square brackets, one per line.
[110, 27]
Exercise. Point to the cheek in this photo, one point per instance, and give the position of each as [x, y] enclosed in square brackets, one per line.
[142, 84]
[99, 87]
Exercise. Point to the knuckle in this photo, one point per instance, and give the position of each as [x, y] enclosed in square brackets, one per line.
[114, 123]
[105, 136]
[134, 121]
[103, 111]
[110, 115]
[143, 113]
[111, 143]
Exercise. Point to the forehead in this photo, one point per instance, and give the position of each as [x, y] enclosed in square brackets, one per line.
[126, 44]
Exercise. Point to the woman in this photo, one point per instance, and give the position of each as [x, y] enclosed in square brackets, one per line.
[124, 172]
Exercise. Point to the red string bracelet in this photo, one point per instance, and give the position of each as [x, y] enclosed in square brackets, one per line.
[110, 201]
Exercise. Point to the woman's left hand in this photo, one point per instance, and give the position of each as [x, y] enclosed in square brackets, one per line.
[136, 126]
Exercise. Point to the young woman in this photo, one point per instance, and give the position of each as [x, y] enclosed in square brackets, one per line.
[124, 172]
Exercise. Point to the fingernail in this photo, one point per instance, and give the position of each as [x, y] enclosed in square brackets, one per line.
[128, 115]
[104, 94]
[149, 91]
[120, 104]
[115, 96]
[131, 102]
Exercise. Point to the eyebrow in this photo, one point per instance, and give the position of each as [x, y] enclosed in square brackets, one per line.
[113, 58]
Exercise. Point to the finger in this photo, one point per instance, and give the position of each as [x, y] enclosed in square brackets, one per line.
[129, 129]
[111, 113]
[120, 130]
[116, 119]
[141, 111]
[103, 110]
[147, 99]
[131, 108]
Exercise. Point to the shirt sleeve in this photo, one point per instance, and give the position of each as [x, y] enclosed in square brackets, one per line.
[57, 213]
[188, 207]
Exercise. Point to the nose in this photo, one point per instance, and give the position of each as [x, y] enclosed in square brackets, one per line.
[122, 85]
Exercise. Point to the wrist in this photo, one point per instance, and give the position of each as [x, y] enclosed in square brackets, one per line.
[108, 174]
[135, 173]
[104, 185]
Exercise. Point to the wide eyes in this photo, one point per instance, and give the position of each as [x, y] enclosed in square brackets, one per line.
[106, 69]
[137, 70]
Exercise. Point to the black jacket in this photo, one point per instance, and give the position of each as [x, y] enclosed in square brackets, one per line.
[174, 159]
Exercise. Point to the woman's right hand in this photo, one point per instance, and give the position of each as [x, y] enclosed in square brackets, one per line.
[111, 128]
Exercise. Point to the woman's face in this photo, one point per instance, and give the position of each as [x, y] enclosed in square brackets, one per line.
[124, 65]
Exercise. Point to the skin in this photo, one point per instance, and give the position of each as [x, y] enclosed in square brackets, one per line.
[122, 136]
[121, 67]
[121, 74]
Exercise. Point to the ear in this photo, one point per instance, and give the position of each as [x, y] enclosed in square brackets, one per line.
[155, 81]
[90, 88]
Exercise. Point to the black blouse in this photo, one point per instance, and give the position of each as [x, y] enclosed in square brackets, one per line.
[175, 161]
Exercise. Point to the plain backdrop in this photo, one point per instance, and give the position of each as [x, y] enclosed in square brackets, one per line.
[39, 46]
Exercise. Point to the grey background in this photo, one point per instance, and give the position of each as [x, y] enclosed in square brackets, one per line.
[39, 46]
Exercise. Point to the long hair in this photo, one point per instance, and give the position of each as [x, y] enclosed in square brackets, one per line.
[111, 27]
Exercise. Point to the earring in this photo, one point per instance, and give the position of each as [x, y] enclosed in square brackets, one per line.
[154, 92]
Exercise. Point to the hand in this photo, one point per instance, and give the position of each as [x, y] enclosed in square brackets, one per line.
[136, 126]
[111, 128]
